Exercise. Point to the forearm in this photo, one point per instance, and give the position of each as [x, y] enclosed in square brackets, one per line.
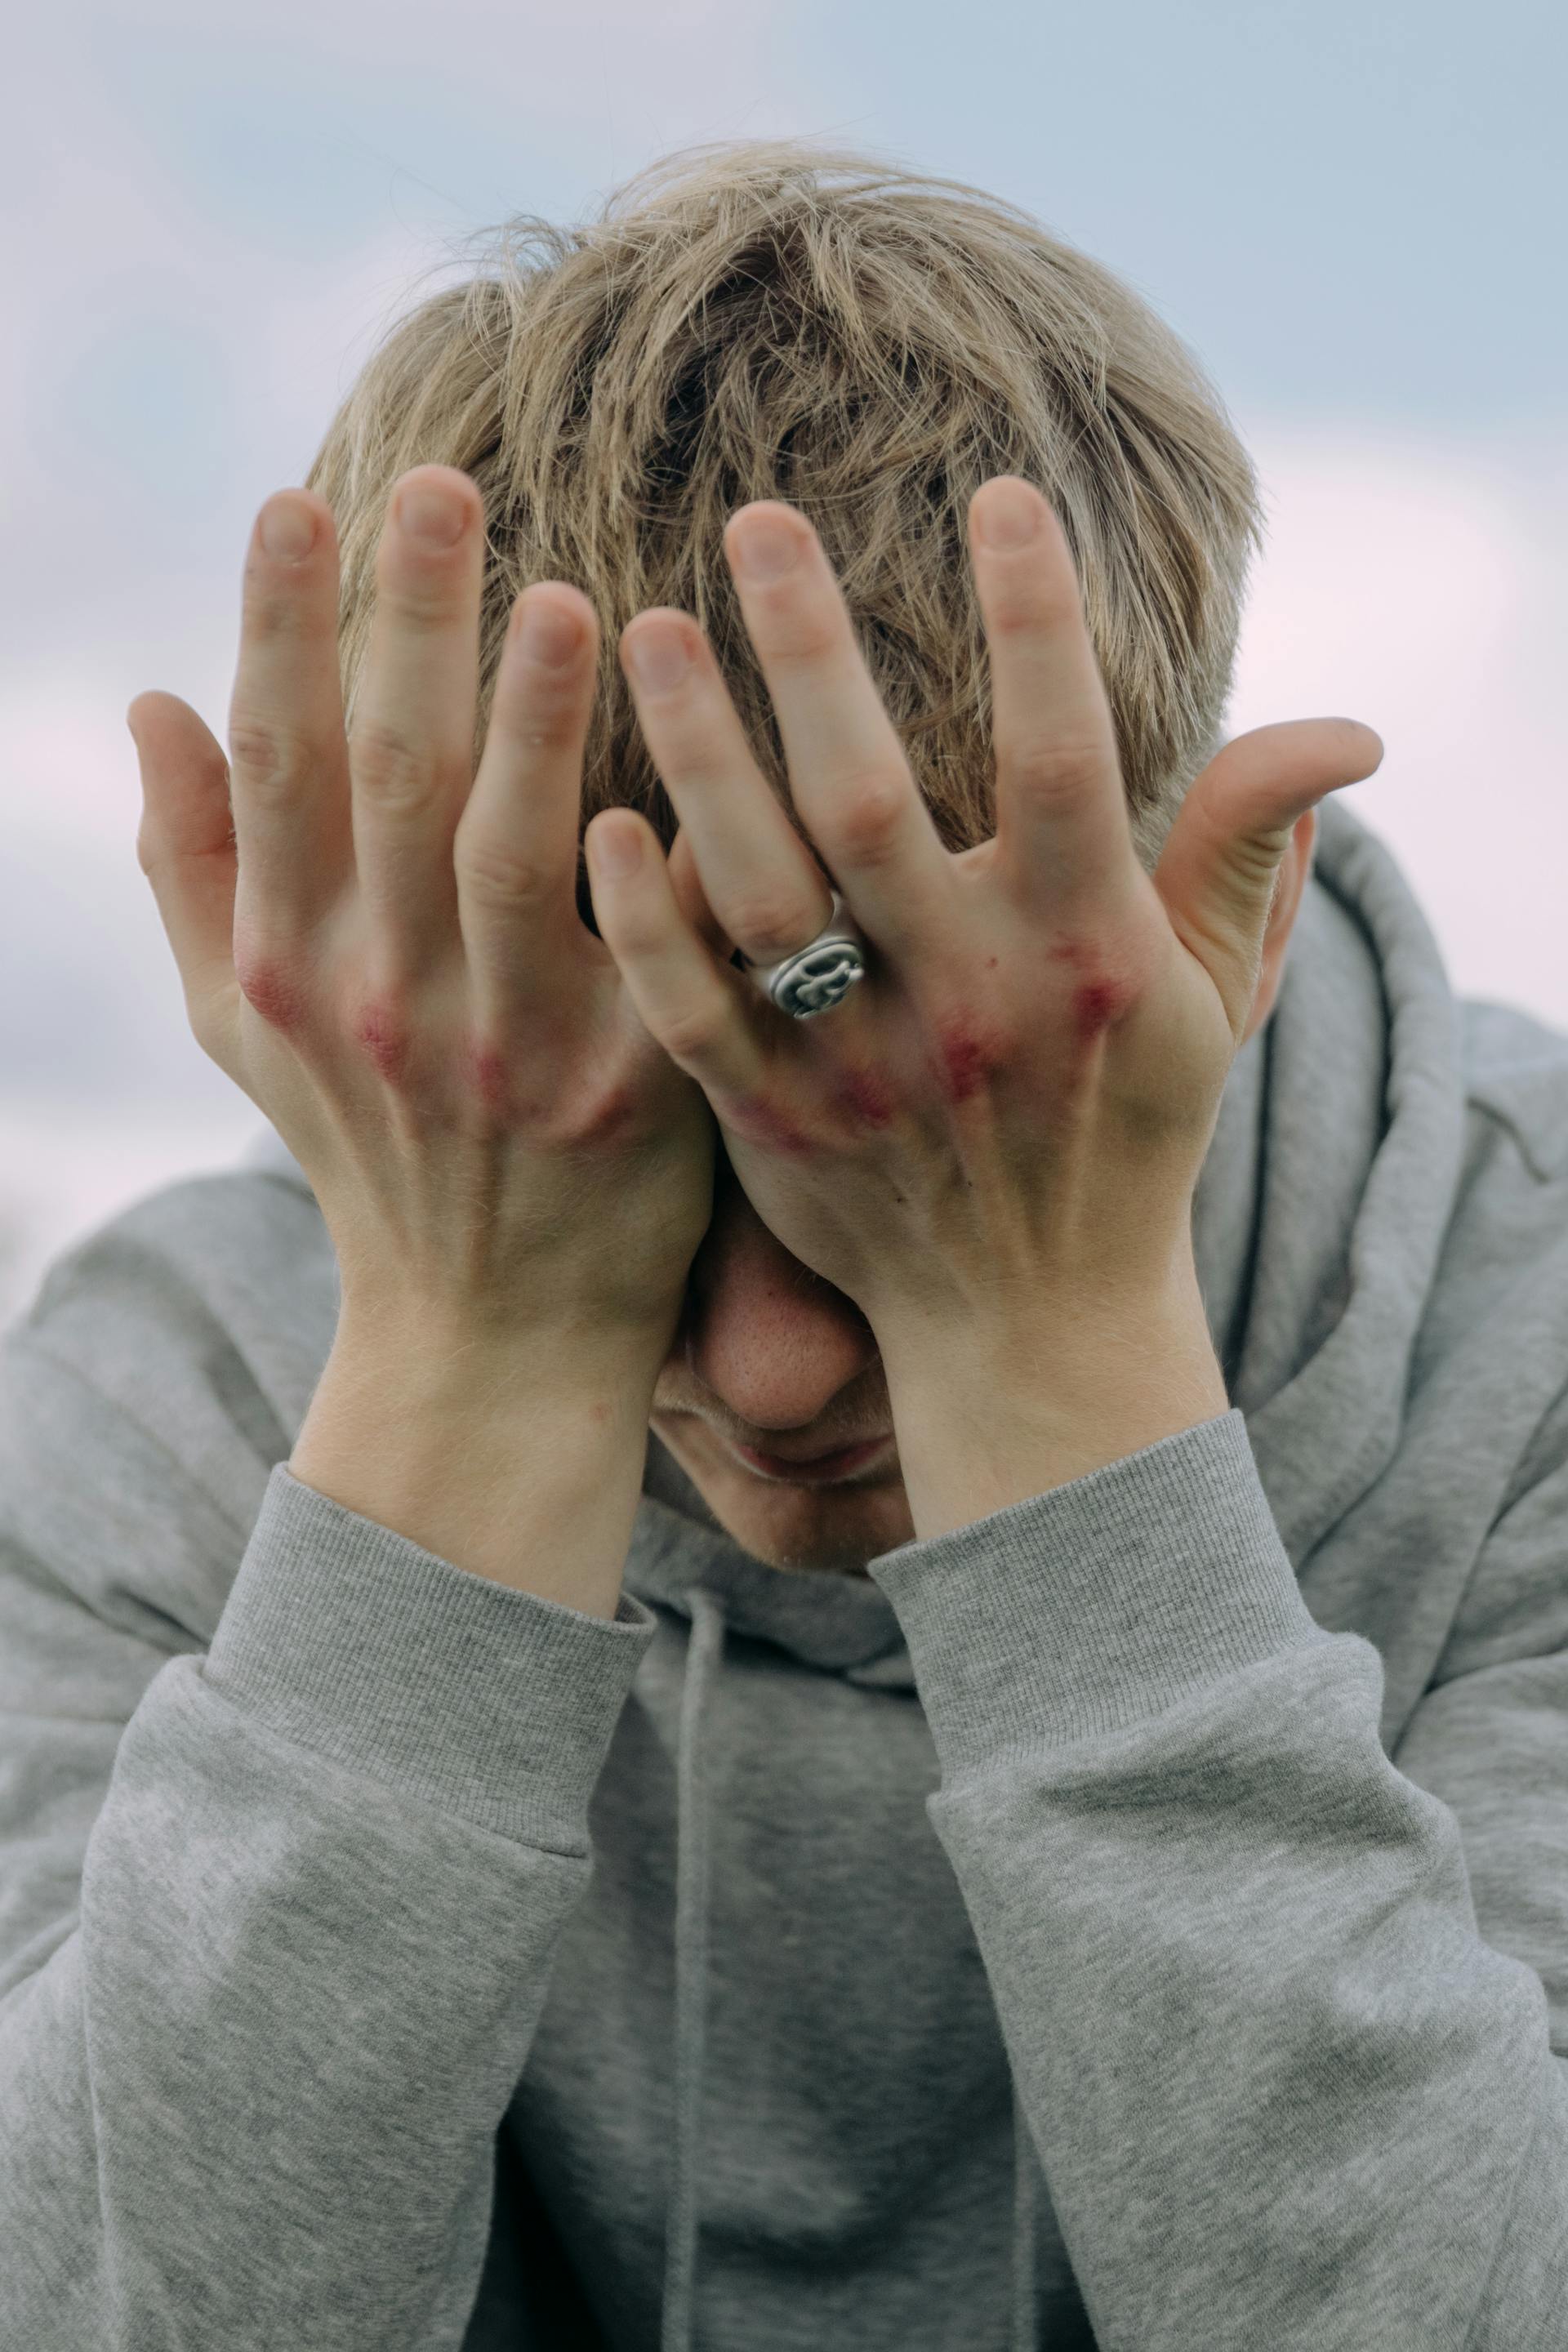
[525, 1467]
[1282, 2091]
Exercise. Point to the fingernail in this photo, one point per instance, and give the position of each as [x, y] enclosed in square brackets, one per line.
[765, 547]
[434, 518]
[1008, 515]
[615, 849]
[549, 634]
[658, 659]
[287, 529]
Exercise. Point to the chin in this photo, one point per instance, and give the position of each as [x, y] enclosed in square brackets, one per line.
[833, 1530]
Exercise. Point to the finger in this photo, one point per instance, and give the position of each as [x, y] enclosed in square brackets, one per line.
[290, 781]
[848, 777]
[515, 850]
[1065, 838]
[691, 898]
[1222, 855]
[757, 875]
[411, 738]
[690, 1004]
[185, 847]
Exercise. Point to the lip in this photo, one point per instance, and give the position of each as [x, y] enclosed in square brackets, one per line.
[819, 1470]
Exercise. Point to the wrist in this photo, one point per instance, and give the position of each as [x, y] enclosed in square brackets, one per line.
[993, 1411]
[523, 1463]
[456, 1359]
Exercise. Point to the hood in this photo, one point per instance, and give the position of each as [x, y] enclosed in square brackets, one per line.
[1317, 1223]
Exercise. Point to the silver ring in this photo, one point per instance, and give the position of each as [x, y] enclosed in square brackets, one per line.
[819, 975]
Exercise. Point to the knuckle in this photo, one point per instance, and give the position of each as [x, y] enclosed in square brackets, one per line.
[494, 873]
[1055, 772]
[692, 1032]
[771, 927]
[691, 755]
[486, 1080]
[273, 983]
[390, 766]
[1025, 607]
[868, 818]
[614, 1109]
[273, 608]
[380, 1029]
[544, 718]
[420, 592]
[265, 753]
[804, 640]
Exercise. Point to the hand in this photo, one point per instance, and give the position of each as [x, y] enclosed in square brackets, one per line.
[1018, 1099]
[384, 951]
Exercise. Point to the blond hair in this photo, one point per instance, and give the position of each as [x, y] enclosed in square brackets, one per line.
[778, 319]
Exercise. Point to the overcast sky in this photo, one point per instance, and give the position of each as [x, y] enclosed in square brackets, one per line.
[1353, 212]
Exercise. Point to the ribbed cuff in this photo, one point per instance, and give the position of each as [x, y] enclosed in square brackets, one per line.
[494, 1704]
[1098, 1605]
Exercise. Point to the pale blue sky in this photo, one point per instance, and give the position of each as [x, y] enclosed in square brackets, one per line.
[1353, 204]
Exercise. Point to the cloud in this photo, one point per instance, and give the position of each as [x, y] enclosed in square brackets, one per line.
[1415, 581]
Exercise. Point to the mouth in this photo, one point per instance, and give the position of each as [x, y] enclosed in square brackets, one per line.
[817, 1469]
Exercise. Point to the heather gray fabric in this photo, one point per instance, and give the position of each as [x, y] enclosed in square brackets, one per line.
[1218, 1802]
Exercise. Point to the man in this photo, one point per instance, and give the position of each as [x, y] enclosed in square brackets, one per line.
[1089, 1871]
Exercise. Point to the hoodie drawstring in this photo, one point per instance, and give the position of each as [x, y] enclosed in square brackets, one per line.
[704, 1649]
[704, 1653]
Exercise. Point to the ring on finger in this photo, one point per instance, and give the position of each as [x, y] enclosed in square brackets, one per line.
[815, 978]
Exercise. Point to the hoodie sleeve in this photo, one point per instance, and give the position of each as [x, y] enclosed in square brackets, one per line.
[278, 1910]
[1292, 2077]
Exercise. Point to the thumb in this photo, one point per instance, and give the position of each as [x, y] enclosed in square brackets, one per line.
[1222, 856]
[185, 847]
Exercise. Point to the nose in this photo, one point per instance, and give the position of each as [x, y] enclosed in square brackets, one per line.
[772, 1341]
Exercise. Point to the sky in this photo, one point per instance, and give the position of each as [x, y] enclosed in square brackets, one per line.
[1352, 212]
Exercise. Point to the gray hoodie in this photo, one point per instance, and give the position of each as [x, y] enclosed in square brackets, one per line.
[1138, 1919]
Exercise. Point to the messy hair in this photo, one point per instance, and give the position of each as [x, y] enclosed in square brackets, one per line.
[780, 319]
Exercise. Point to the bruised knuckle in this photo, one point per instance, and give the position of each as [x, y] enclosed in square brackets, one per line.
[381, 1030]
[274, 985]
